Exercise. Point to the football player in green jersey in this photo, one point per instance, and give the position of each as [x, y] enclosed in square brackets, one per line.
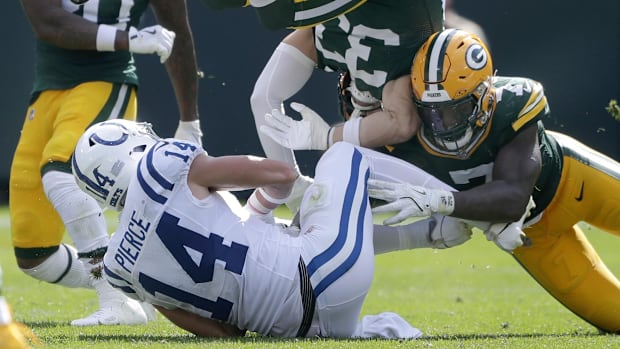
[376, 43]
[85, 73]
[483, 135]
[276, 14]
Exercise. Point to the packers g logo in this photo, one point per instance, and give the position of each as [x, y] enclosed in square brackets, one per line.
[476, 57]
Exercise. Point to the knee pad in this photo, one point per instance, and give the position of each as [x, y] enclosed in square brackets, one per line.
[81, 215]
[70, 202]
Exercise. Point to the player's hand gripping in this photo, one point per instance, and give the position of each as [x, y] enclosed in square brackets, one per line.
[509, 236]
[153, 39]
[309, 133]
[409, 200]
[448, 231]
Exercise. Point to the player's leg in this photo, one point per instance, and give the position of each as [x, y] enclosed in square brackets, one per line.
[567, 266]
[336, 223]
[82, 216]
[36, 228]
[434, 232]
[61, 203]
[389, 168]
[561, 258]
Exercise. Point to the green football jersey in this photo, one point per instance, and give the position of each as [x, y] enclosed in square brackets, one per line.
[520, 103]
[58, 68]
[276, 14]
[377, 41]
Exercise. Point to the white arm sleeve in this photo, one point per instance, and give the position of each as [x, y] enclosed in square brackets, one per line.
[286, 72]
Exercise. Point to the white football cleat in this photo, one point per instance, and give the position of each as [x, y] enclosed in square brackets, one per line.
[114, 308]
[125, 313]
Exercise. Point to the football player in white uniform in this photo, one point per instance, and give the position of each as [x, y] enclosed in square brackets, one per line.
[215, 268]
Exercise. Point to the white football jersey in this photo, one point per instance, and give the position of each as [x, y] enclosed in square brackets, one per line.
[212, 258]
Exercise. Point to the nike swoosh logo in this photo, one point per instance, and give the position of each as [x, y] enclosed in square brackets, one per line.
[580, 197]
[152, 32]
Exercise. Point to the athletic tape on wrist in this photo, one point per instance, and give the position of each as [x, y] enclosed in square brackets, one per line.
[191, 126]
[106, 37]
[270, 198]
[255, 207]
[351, 131]
[445, 202]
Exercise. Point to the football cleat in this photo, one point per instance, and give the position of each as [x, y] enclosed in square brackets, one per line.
[127, 312]
[114, 308]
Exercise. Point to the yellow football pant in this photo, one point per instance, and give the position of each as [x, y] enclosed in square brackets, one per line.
[53, 124]
[561, 258]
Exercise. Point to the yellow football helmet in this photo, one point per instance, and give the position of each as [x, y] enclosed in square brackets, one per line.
[451, 78]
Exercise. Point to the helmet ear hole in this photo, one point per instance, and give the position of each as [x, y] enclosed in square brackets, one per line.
[138, 149]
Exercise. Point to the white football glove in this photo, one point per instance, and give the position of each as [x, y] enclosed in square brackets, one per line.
[309, 133]
[293, 202]
[448, 232]
[509, 236]
[189, 131]
[153, 39]
[409, 200]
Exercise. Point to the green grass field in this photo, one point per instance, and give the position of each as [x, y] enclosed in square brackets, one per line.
[471, 296]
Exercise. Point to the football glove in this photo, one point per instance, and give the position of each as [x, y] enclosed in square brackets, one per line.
[189, 131]
[310, 133]
[509, 236]
[409, 200]
[153, 39]
[448, 232]
[297, 193]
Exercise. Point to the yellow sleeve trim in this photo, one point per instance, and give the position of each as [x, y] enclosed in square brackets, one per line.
[534, 105]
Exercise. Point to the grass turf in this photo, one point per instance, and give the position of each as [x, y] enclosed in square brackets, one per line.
[471, 296]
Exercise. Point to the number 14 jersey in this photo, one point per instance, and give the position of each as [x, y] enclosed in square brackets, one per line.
[205, 256]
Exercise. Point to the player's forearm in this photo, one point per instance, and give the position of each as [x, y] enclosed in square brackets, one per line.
[376, 130]
[183, 73]
[239, 171]
[496, 201]
[198, 325]
[181, 65]
[55, 26]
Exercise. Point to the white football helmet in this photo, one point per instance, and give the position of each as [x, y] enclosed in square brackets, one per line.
[106, 156]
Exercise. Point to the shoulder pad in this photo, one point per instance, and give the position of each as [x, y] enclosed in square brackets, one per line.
[522, 98]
